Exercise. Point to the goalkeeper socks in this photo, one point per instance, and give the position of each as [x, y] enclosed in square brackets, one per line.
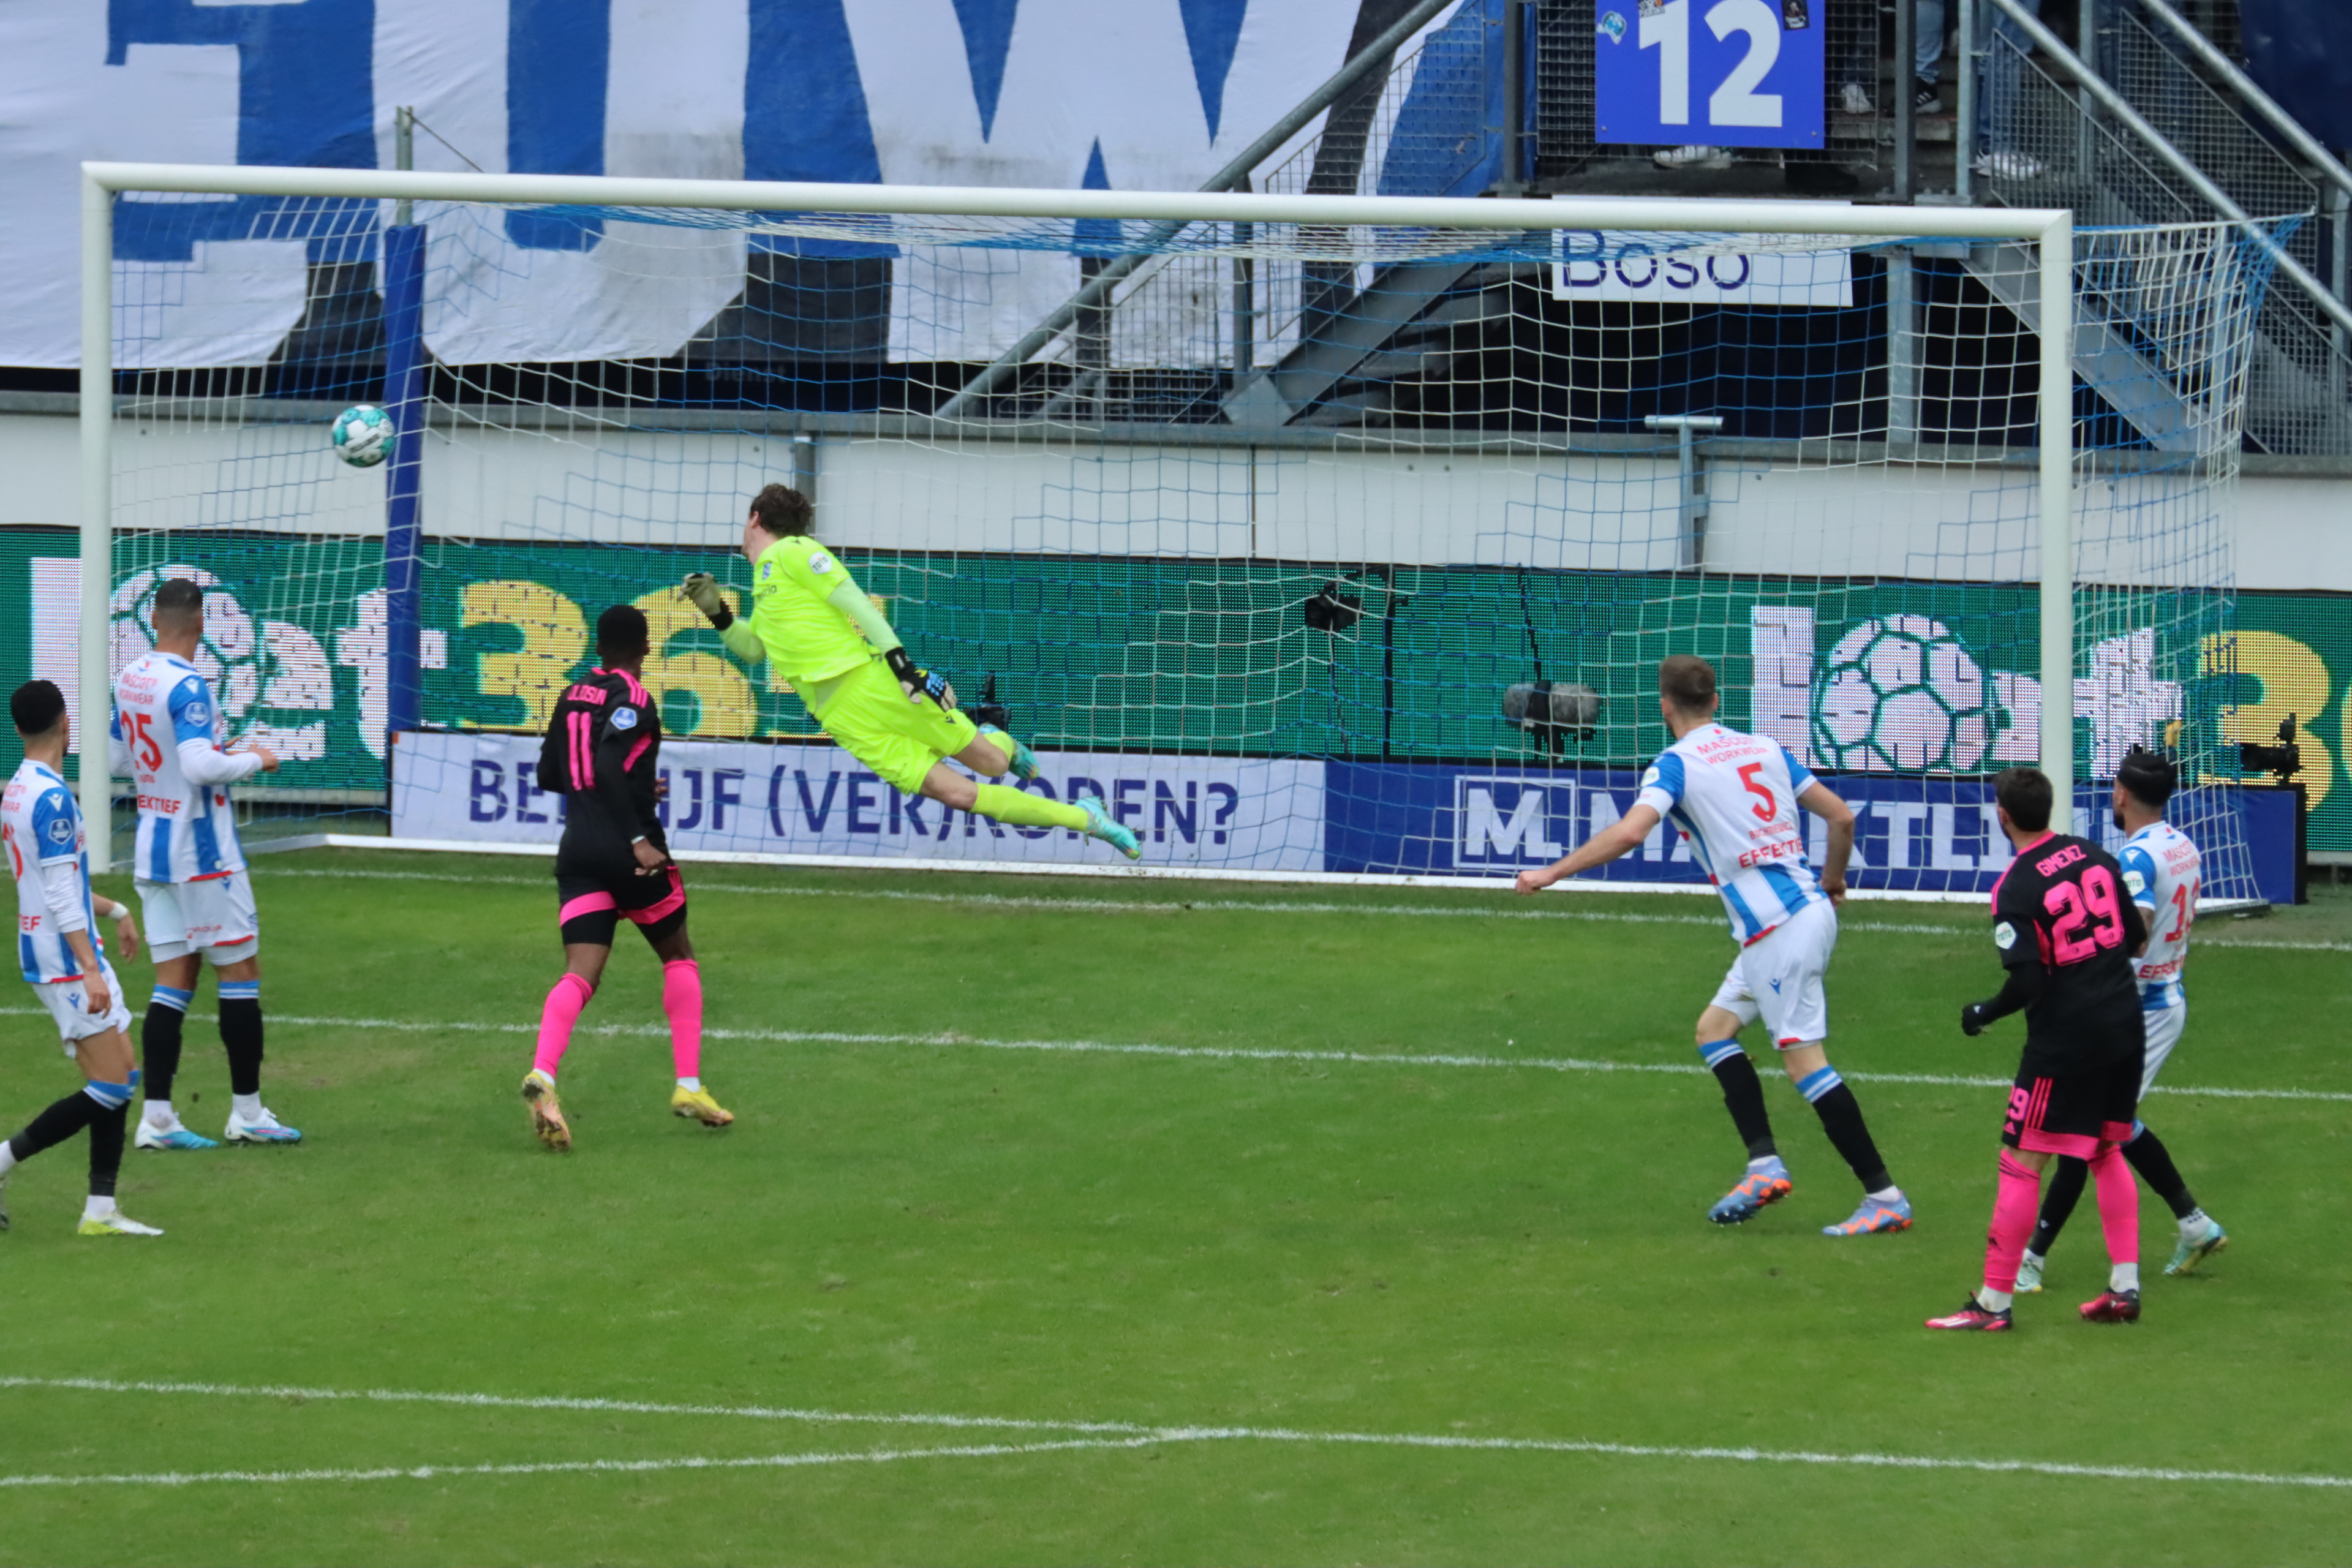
[2118, 1205]
[1841, 1116]
[1022, 809]
[2012, 1222]
[106, 1129]
[1743, 1096]
[159, 1046]
[240, 1031]
[2153, 1160]
[2058, 1200]
[682, 1002]
[564, 1002]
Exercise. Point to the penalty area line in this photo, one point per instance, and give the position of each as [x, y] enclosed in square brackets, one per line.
[1100, 1437]
[954, 1041]
[1044, 904]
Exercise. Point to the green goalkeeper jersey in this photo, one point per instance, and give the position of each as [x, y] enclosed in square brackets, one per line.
[807, 637]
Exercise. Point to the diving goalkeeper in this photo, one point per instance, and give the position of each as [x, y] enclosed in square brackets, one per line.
[829, 639]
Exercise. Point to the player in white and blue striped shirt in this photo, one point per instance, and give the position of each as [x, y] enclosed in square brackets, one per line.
[1737, 798]
[64, 960]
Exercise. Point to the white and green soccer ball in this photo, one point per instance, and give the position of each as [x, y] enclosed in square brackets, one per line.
[1903, 694]
[231, 656]
[363, 435]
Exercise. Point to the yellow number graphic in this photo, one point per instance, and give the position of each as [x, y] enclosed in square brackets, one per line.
[554, 636]
[2294, 681]
[729, 708]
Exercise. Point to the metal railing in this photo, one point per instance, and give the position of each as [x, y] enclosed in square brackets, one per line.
[2158, 144]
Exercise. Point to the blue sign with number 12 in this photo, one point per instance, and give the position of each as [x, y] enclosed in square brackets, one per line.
[1727, 73]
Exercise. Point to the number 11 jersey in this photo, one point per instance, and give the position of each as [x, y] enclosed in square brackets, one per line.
[2062, 905]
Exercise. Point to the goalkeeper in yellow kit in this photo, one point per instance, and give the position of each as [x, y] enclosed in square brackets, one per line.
[827, 639]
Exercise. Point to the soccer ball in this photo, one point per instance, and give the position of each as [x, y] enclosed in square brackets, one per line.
[1903, 694]
[363, 435]
[231, 656]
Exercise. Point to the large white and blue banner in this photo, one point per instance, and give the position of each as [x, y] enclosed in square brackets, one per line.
[1145, 94]
[745, 797]
[1912, 835]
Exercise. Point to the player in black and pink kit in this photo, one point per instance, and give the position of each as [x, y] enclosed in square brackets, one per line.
[2067, 933]
[603, 754]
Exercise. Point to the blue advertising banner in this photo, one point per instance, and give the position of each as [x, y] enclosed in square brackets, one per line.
[1913, 835]
[1727, 73]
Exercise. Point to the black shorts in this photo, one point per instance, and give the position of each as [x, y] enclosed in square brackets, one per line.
[590, 908]
[2073, 1108]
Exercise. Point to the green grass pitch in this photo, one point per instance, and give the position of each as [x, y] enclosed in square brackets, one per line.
[932, 1300]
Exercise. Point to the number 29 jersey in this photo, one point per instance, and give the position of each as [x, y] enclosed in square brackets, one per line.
[2062, 905]
[1734, 796]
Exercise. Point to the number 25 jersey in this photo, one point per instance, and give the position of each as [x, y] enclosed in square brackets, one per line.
[2062, 905]
[166, 737]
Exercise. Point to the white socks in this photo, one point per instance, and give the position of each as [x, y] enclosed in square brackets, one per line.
[246, 1107]
[7, 1157]
[2123, 1276]
[694, 1086]
[97, 1207]
[2194, 1223]
[1888, 1195]
[1755, 1167]
[1993, 1300]
[160, 1115]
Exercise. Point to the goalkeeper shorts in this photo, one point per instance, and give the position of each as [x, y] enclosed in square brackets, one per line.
[899, 741]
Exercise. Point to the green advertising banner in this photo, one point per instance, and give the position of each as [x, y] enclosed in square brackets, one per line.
[1222, 656]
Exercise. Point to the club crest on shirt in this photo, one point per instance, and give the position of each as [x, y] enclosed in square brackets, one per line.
[2004, 936]
[625, 719]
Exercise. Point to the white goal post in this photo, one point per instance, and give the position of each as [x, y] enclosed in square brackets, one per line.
[2050, 234]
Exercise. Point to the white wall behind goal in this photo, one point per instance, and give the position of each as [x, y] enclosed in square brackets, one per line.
[1431, 508]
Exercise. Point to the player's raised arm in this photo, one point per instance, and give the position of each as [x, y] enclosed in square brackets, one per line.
[1620, 839]
[732, 629]
[1823, 802]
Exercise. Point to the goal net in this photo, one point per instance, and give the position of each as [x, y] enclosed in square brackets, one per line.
[1315, 536]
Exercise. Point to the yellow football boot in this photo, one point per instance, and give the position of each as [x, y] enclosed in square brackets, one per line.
[698, 1104]
[546, 1112]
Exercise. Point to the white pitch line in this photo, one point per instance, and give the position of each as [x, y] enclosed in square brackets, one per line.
[561, 1402]
[564, 1467]
[1245, 906]
[1105, 1435]
[953, 1041]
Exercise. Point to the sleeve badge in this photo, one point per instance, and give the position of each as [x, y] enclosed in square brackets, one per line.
[624, 718]
[2004, 935]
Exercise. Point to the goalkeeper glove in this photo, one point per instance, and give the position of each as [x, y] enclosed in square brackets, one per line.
[703, 589]
[918, 682]
[1973, 1019]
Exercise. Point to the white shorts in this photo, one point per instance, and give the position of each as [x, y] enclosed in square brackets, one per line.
[2164, 1027]
[68, 1003]
[213, 917]
[1779, 978]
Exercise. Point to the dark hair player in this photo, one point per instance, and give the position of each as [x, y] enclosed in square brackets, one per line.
[2067, 933]
[602, 752]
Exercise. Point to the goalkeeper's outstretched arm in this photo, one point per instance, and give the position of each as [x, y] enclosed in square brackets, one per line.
[733, 630]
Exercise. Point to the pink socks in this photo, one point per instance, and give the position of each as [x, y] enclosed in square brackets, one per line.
[555, 1020]
[2118, 1205]
[682, 1001]
[2014, 1209]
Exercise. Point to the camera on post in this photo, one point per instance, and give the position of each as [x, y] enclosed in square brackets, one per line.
[2281, 762]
